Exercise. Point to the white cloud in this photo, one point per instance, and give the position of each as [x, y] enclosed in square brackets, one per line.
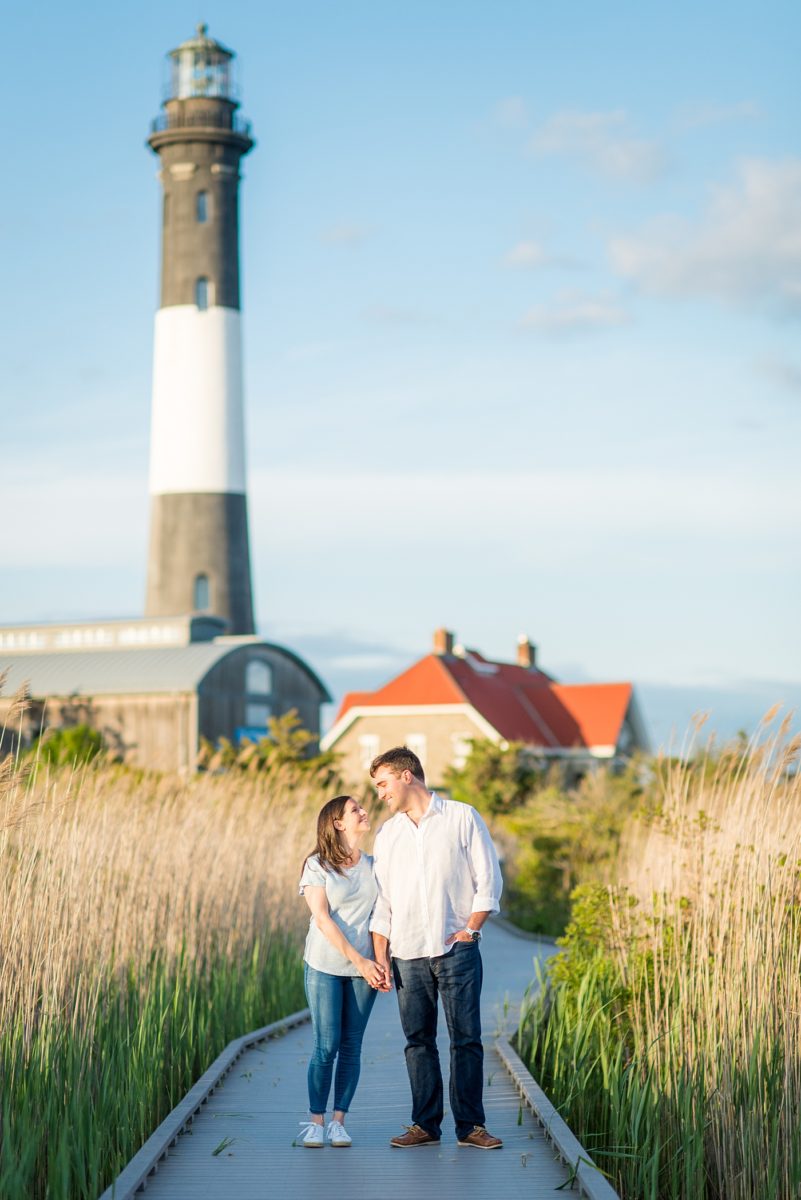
[576, 501]
[786, 374]
[602, 142]
[345, 234]
[573, 312]
[526, 254]
[745, 248]
[511, 113]
[312, 350]
[531, 255]
[363, 662]
[718, 114]
[116, 496]
[390, 314]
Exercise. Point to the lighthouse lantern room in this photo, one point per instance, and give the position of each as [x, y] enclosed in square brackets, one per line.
[200, 67]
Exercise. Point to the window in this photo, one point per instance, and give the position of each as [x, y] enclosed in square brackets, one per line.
[257, 715]
[166, 208]
[202, 595]
[202, 293]
[461, 745]
[368, 749]
[417, 743]
[258, 678]
[202, 207]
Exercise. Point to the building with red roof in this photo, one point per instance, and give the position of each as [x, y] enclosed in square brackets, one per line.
[453, 696]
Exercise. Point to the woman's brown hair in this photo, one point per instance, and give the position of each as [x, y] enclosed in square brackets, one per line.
[331, 852]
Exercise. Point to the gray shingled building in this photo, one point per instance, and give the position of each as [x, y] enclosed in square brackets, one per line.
[154, 688]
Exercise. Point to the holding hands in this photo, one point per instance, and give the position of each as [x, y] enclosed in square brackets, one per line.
[376, 973]
[372, 972]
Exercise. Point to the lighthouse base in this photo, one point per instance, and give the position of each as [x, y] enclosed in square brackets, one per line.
[199, 558]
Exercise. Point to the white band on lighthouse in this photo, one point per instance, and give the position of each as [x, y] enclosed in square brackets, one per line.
[197, 430]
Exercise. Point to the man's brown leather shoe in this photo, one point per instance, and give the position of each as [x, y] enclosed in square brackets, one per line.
[482, 1140]
[415, 1136]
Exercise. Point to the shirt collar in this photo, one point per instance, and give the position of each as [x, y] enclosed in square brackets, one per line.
[436, 806]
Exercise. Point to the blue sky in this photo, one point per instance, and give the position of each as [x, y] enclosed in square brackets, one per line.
[522, 288]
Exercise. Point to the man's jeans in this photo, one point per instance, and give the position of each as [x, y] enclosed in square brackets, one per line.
[340, 1009]
[456, 978]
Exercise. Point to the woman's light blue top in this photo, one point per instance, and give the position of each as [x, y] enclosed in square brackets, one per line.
[350, 901]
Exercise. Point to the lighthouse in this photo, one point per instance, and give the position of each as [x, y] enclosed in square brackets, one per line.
[191, 671]
[199, 557]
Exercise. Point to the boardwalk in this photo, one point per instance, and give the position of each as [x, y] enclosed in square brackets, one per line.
[254, 1115]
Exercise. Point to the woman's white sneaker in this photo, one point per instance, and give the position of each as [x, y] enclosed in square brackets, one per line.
[313, 1135]
[337, 1134]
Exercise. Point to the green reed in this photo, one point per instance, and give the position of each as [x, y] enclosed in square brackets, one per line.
[81, 1093]
[668, 1029]
[146, 922]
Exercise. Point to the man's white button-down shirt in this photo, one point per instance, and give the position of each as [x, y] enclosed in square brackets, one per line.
[432, 876]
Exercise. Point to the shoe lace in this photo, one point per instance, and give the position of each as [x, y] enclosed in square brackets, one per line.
[307, 1126]
[336, 1129]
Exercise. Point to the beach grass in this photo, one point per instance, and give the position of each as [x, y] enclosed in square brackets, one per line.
[146, 922]
[668, 1031]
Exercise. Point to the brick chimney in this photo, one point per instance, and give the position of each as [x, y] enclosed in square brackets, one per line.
[443, 641]
[526, 653]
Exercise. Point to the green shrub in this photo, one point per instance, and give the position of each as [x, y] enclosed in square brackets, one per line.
[552, 837]
[284, 753]
[71, 744]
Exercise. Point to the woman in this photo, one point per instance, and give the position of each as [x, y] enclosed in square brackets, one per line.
[341, 977]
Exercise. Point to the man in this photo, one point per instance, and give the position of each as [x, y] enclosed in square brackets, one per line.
[438, 881]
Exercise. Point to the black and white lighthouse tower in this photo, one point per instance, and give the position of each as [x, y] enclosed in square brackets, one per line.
[199, 558]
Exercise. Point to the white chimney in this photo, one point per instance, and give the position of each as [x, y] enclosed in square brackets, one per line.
[526, 653]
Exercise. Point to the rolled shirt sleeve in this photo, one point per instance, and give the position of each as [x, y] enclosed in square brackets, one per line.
[486, 869]
[313, 875]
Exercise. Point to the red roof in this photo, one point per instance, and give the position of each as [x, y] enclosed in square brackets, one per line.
[598, 709]
[426, 682]
[521, 704]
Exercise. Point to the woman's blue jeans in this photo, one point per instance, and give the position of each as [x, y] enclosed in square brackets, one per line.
[340, 1009]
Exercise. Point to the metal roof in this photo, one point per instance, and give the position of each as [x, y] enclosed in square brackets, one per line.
[202, 43]
[123, 672]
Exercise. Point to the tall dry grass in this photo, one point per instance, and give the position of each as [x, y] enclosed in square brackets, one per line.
[672, 1033]
[101, 866]
[145, 922]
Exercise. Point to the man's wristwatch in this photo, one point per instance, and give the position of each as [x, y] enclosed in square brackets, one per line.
[475, 934]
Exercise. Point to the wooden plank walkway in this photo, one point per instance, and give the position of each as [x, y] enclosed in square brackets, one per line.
[255, 1114]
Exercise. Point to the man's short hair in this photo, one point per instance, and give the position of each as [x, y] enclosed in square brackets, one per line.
[399, 759]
